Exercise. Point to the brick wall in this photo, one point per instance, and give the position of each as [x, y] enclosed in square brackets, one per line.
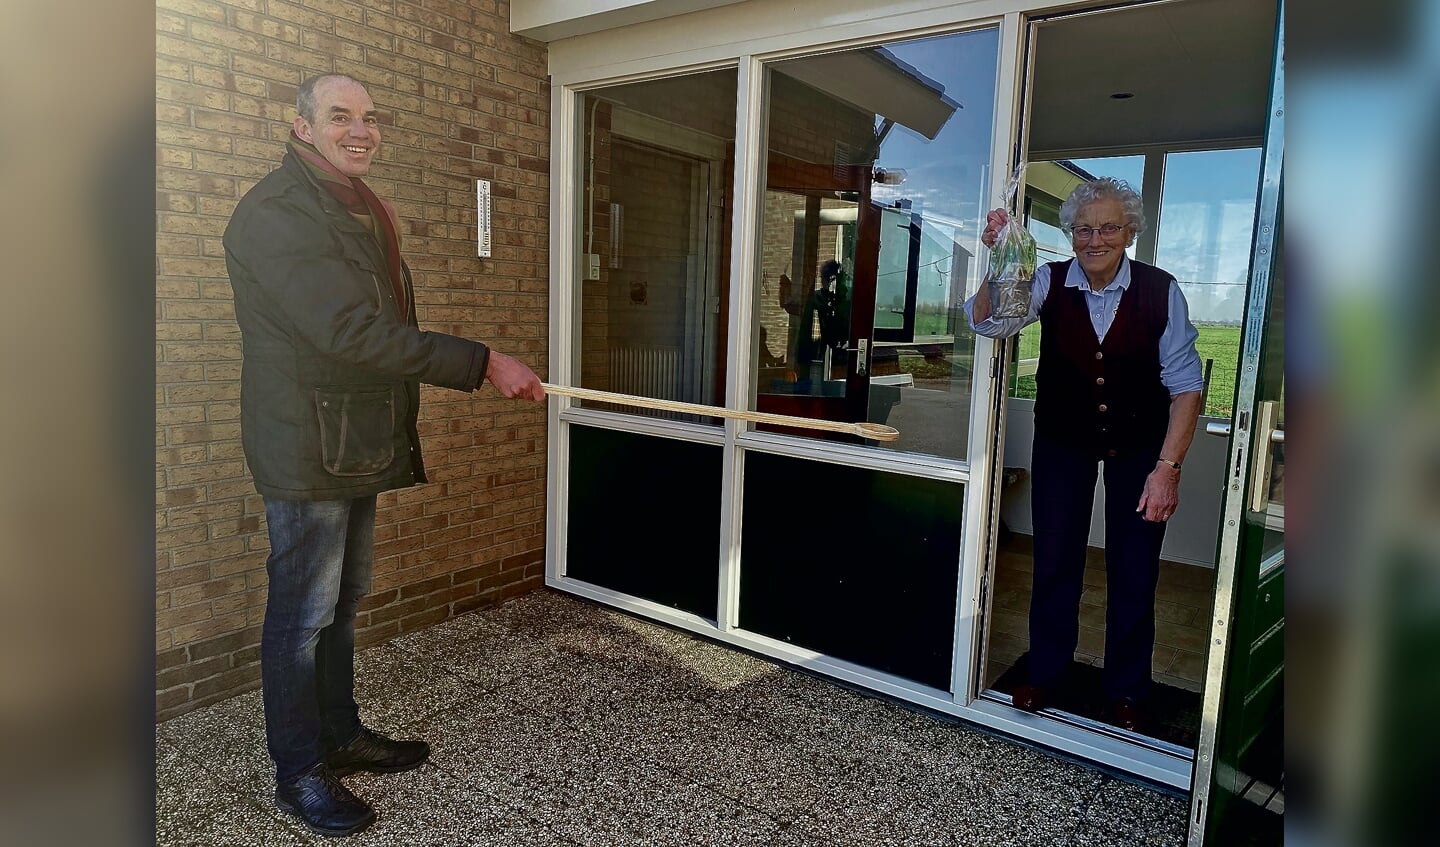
[460, 98]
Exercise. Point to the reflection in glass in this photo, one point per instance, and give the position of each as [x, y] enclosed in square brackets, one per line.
[876, 178]
[657, 158]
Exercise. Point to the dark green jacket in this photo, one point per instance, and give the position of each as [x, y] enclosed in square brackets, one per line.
[329, 391]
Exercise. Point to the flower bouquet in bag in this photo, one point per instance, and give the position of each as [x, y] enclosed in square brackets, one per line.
[1012, 260]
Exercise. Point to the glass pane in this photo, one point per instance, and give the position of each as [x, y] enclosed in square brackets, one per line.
[1047, 184]
[892, 278]
[1207, 217]
[657, 158]
[626, 524]
[875, 187]
[868, 573]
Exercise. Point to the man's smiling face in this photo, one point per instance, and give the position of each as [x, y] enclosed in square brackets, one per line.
[344, 128]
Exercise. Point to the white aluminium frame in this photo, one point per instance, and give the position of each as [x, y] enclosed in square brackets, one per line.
[746, 38]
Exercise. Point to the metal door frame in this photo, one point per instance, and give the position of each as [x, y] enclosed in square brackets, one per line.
[1243, 433]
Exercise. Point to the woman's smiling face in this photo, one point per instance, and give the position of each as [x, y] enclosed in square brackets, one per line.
[1098, 255]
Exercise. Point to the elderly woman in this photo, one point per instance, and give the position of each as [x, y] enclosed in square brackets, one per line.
[1119, 385]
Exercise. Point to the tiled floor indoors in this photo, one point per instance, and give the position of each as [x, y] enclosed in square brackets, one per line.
[1182, 608]
[555, 721]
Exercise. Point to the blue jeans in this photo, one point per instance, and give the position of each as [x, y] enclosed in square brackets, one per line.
[1062, 496]
[321, 554]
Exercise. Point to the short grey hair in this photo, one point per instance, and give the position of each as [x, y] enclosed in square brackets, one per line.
[305, 102]
[1104, 188]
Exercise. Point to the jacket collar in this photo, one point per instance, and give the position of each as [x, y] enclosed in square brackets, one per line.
[342, 218]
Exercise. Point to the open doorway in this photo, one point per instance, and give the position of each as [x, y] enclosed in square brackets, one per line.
[1172, 98]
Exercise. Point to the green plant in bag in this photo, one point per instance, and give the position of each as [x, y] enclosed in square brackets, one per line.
[1012, 260]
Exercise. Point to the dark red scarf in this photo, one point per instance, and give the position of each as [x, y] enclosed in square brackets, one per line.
[358, 199]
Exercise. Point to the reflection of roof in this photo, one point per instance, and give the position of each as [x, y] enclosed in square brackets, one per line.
[873, 79]
[1075, 169]
[1054, 179]
[914, 72]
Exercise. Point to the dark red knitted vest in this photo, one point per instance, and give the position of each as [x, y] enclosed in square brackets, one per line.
[1106, 397]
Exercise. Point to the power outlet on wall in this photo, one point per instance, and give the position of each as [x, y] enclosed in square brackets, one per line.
[592, 266]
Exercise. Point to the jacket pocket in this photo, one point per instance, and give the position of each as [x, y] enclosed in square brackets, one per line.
[357, 429]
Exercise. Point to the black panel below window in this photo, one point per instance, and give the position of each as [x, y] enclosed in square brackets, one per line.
[857, 564]
[644, 517]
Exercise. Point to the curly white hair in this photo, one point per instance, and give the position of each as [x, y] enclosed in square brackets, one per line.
[1104, 188]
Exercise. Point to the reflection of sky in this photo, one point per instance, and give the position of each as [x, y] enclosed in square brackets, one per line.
[947, 176]
[1129, 168]
[1207, 215]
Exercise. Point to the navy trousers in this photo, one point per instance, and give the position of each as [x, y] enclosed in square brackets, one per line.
[1062, 499]
[321, 557]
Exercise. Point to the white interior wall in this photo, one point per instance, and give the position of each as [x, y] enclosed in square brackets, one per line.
[1194, 529]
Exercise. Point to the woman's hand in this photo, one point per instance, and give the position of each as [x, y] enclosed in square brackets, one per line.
[1161, 495]
[994, 222]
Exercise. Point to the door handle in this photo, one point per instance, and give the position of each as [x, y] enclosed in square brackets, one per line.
[1222, 429]
[1266, 414]
[861, 351]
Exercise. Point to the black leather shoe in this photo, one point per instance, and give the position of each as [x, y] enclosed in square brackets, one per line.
[1030, 698]
[373, 752]
[326, 806]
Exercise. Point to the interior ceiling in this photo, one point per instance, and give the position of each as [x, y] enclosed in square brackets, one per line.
[1199, 70]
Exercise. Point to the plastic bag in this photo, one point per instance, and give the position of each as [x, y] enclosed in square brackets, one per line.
[1012, 260]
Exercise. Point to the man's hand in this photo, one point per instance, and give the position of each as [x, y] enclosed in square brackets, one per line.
[994, 222]
[1161, 495]
[513, 378]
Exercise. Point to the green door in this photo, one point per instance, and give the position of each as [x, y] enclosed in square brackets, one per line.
[1238, 787]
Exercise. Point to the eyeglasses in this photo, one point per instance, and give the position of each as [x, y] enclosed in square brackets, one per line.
[1107, 231]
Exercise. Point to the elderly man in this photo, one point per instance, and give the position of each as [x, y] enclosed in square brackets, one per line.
[329, 401]
[1119, 384]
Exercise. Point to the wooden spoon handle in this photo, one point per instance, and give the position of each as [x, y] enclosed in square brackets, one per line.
[864, 429]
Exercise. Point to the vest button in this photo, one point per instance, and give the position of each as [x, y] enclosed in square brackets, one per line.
[1099, 355]
[1099, 380]
[1103, 407]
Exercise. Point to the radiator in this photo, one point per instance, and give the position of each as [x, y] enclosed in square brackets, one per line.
[647, 372]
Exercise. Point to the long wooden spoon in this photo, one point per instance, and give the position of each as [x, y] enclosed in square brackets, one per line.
[864, 429]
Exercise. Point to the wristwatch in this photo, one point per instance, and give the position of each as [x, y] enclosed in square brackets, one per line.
[1175, 465]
